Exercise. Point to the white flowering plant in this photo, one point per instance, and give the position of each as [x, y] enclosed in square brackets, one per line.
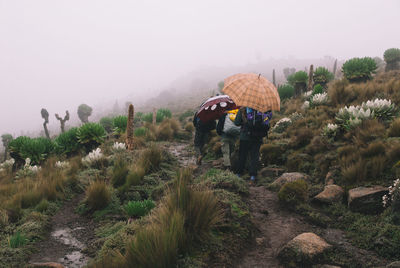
[94, 158]
[62, 164]
[307, 95]
[319, 99]
[28, 170]
[330, 131]
[305, 105]
[119, 146]
[281, 125]
[352, 116]
[295, 116]
[7, 165]
[393, 197]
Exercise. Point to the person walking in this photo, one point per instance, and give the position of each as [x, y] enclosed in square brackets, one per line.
[202, 131]
[229, 133]
[254, 127]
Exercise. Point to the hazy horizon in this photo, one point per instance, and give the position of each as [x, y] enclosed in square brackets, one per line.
[59, 54]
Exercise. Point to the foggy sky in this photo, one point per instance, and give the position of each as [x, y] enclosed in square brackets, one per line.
[58, 54]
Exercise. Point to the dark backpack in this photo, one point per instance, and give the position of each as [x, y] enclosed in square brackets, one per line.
[257, 124]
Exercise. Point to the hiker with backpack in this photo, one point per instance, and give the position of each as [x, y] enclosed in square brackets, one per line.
[254, 127]
[202, 131]
[229, 133]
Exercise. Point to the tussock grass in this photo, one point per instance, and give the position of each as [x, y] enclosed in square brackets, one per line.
[151, 158]
[185, 216]
[98, 195]
[394, 130]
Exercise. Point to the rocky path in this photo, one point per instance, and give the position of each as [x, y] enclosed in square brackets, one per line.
[70, 235]
[275, 228]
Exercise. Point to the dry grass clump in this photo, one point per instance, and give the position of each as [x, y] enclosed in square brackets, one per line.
[368, 131]
[185, 217]
[271, 154]
[317, 145]
[3, 218]
[119, 172]
[394, 129]
[151, 158]
[98, 195]
[301, 138]
[189, 127]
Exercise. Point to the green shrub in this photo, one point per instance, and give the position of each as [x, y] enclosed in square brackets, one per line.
[37, 149]
[138, 208]
[293, 193]
[186, 114]
[285, 91]
[91, 135]
[318, 89]
[392, 58]
[17, 240]
[148, 117]
[98, 195]
[119, 123]
[300, 77]
[42, 206]
[120, 172]
[162, 114]
[140, 132]
[322, 76]
[359, 69]
[67, 142]
[107, 123]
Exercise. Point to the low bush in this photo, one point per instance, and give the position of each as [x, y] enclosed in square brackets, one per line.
[272, 154]
[37, 149]
[322, 76]
[285, 91]
[138, 208]
[98, 195]
[163, 114]
[293, 193]
[42, 206]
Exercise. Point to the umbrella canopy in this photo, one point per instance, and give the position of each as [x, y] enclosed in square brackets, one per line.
[214, 107]
[252, 90]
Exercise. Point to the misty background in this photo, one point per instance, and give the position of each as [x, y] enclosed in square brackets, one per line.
[58, 54]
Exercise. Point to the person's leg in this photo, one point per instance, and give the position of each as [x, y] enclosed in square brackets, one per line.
[226, 152]
[199, 144]
[254, 157]
[243, 149]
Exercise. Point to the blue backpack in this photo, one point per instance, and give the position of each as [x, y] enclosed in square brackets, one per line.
[257, 123]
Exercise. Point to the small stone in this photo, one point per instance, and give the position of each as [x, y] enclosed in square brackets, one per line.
[260, 240]
[289, 177]
[331, 194]
[304, 249]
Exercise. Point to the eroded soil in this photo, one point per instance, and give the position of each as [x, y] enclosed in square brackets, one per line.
[68, 238]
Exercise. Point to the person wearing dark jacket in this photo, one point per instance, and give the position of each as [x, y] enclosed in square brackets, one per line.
[202, 131]
[250, 140]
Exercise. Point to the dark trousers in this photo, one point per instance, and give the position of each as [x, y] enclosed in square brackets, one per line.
[251, 147]
[200, 139]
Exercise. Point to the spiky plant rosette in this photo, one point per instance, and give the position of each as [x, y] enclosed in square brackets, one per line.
[330, 130]
[119, 123]
[91, 135]
[67, 142]
[383, 109]
[358, 69]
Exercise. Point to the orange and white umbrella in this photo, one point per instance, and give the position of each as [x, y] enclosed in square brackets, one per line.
[253, 91]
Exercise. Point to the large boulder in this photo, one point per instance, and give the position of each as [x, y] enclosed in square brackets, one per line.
[303, 250]
[331, 194]
[367, 199]
[288, 177]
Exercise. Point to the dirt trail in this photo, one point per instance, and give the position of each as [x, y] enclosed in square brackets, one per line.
[69, 237]
[276, 227]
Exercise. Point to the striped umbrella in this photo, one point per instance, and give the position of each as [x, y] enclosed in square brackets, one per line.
[253, 91]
